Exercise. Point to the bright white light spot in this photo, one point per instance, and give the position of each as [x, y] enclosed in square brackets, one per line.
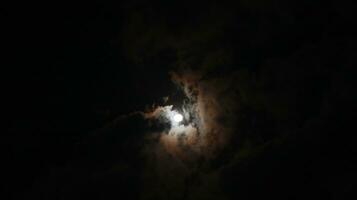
[178, 118]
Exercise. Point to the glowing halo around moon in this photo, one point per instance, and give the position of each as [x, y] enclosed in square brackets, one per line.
[174, 116]
[178, 117]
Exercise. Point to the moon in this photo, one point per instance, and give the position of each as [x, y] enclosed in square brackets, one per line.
[178, 118]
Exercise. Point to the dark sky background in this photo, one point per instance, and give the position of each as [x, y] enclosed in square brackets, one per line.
[282, 74]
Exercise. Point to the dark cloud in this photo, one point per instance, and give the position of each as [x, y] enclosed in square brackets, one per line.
[265, 88]
[254, 73]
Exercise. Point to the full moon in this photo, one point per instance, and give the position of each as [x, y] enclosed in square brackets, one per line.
[178, 117]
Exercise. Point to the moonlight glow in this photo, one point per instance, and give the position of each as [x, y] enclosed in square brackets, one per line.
[175, 117]
[178, 118]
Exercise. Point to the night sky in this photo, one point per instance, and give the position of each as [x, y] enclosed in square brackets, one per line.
[266, 90]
